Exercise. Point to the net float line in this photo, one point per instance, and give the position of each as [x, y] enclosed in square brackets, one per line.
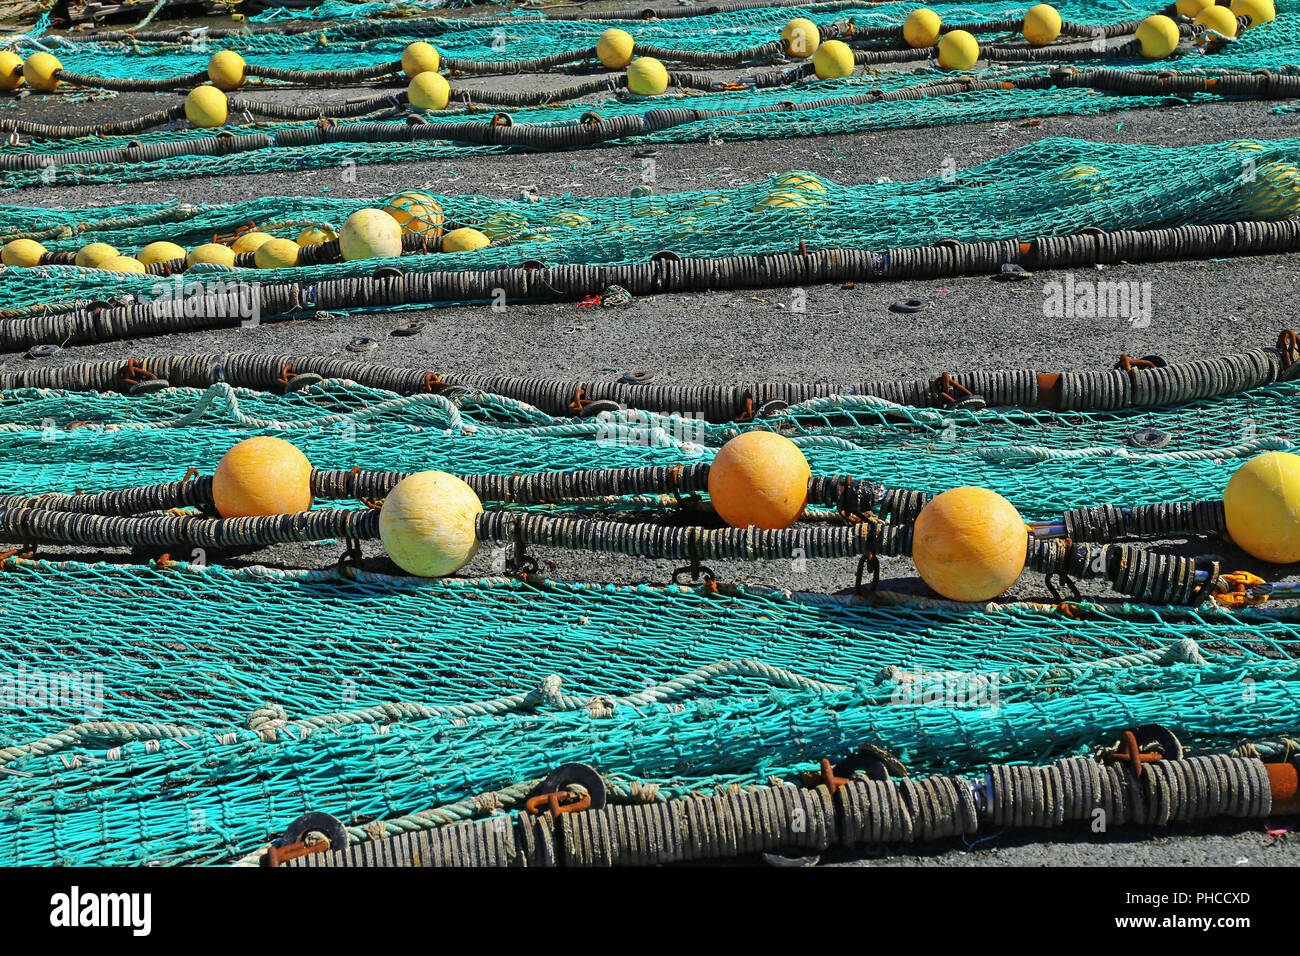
[1259, 84]
[772, 51]
[1147, 576]
[853, 497]
[851, 810]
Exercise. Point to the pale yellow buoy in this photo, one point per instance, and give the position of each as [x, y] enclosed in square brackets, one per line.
[958, 50]
[833, 60]
[207, 107]
[783, 199]
[39, 70]
[1262, 505]
[227, 70]
[921, 29]
[262, 476]
[969, 544]
[92, 256]
[759, 479]
[123, 264]
[798, 179]
[249, 242]
[1042, 24]
[464, 240]
[801, 38]
[315, 235]
[503, 225]
[1083, 178]
[160, 252]
[420, 57]
[1157, 37]
[428, 91]
[211, 253]
[370, 234]
[24, 253]
[11, 70]
[1218, 19]
[574, 220]
[1259, 11]
[1190, 8]
[614, 49]
[1273, 193]
[646, 76]
[277, 254]
[428, 524]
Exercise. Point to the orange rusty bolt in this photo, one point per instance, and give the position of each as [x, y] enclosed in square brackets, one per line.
[1131, 753]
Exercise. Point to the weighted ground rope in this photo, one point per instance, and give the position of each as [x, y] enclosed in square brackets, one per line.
[1104, 390]
[230, 304]
[846, 814]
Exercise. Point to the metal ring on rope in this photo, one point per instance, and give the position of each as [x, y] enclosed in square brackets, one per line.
[44, 351]
[597, 407]
[1148, 736]
[909, 305]
[303, 380]
[149, 386]
[323, 823]
[362, 345]
[411, 328]
[576, 773]
[1149, 438]
[637, 377]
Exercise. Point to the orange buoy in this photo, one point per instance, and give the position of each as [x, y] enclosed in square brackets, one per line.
[759, 479]
[969, 544]
[262, 476]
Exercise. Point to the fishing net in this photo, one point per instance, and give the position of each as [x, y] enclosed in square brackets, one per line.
[212, 706]
[1044, 462]
[1053, 187]
[164, 712]
[1270, 46]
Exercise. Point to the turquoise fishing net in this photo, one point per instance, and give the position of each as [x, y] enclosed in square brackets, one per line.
[1055, 186]
[1044, 462]
[527, 35]
[1274, 45]
[207, 657]
[183, 714]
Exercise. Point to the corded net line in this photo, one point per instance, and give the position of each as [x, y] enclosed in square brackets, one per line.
[851, 496]
[591, 131]
[1074, 391]
[667, 273]
[812, 820]
[1147, 576]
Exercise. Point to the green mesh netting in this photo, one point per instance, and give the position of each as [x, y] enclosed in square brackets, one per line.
[203, 655]
[1275, 45]
[1056, 186]
[1044, 462]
